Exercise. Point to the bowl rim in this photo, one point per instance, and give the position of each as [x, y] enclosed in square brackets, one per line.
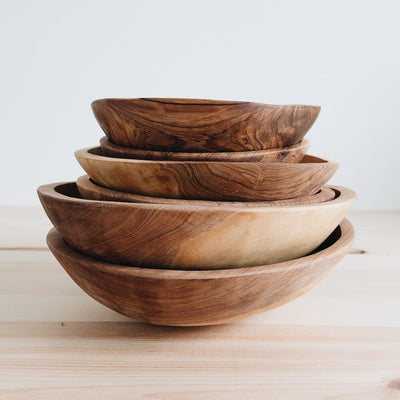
[345, 240]
[304, 143]
[344, 195]
[87, 154]
[85, 180]
[199, 102]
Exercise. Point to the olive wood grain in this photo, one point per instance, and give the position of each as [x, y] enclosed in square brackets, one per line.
[92, 191]
[202, 180]
[194, 125]
[188, 298]
[190, 237]
[291, 154]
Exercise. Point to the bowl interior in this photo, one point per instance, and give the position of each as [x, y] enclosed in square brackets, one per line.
[68, 189]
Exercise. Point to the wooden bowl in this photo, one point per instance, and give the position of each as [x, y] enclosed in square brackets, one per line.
[189, 298]
[90, 190]
[202, 180]
[194, 125]
[190, 237]
[291, 154]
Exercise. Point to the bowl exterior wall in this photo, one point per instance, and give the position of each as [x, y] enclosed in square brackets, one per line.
[192, 237]
[217, 181]
[291, 154]
[187, 299]
[202, 126]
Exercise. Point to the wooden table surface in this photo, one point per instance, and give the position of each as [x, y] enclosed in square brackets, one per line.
[341, 341]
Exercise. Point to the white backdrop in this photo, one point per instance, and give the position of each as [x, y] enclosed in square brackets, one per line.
[58, 56]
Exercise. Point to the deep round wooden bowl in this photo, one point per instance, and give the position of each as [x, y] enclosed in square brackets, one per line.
[202, 180]
[291, 154]
[189, 298]
[194, 125]
[92, 191]
[190, 237]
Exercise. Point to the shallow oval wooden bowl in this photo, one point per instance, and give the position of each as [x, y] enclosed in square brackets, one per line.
[291, 154]
[202, 180]
[194, 125]
[90, 190]
[190, 237]
[189, 298]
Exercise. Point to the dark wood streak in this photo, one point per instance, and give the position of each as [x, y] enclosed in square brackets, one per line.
[188, 298]
[194, 102]
[179, 125]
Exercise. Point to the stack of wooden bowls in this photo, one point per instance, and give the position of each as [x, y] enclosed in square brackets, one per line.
[198, 212]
